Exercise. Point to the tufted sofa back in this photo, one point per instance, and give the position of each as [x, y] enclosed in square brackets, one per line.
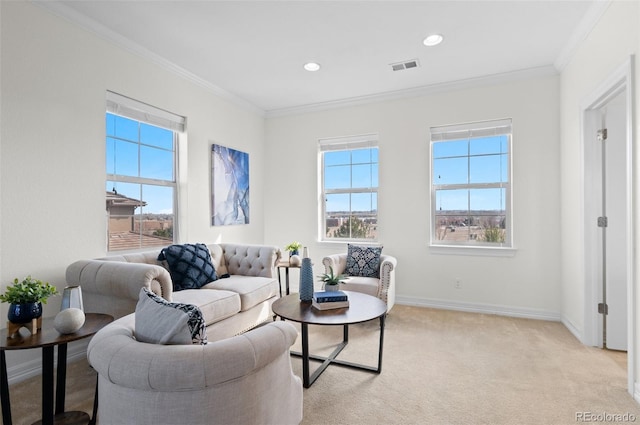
[247, 260]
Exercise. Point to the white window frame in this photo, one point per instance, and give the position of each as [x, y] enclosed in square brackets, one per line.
[347, 143]
[126, 107]
[470, 131]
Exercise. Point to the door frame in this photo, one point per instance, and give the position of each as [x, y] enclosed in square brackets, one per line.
[620, 81]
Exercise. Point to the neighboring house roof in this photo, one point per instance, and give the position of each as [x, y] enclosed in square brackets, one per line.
[114, 199]
[128, 240]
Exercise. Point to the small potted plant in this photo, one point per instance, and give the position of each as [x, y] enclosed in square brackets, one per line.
[293, 248]
[26, 299]
[331, 281]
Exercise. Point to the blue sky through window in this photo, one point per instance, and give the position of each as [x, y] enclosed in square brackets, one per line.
[351, 169]
[471, 161]
[138, 149]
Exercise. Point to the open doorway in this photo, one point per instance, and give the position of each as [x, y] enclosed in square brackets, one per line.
[608, 223]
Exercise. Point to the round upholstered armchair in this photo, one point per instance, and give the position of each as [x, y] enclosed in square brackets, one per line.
[246, 379]
[377, 278]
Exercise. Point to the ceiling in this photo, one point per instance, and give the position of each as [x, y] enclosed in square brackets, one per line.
[254, 51]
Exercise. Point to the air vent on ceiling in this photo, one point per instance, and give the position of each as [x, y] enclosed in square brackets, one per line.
[413, 63]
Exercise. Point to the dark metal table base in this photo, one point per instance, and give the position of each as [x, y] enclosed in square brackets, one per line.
[286, 279]
[50, 416]
[307, 380]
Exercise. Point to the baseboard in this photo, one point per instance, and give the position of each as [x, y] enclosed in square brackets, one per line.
[636, 392]
[569, 325]
[500, 310]
[75, 351]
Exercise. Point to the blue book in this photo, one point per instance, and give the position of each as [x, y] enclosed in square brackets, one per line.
[329, 296]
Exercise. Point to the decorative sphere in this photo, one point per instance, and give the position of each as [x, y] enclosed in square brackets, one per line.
[69, 320]
[294, 260]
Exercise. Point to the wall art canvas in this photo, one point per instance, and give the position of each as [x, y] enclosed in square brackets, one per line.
[229, 186]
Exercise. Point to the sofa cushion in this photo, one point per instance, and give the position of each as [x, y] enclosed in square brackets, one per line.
[158, 321]
[189, 265]
[215, 305]
[363, 261]
[364, 285]
[252, 289]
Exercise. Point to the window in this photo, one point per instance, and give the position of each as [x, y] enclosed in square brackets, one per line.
[141, 184]
[349, 174]
[471, 184]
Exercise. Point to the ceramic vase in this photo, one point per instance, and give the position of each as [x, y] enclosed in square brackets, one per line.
[72, 298]
[24, 313]
[306, 280]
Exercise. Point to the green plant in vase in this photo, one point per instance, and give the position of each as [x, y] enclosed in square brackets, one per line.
[331, 280]
[293, 248]
[26, 298]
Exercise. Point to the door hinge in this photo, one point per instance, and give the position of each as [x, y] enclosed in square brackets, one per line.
[602, 135]
[603, 221]
[603, 308]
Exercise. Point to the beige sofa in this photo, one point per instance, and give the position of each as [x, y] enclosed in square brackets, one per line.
[230, 306]
[242, 376]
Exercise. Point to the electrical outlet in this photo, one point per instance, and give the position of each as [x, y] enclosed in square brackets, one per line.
[458, 284]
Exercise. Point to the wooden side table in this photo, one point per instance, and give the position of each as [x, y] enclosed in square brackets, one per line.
[285, 264]
[47, 338]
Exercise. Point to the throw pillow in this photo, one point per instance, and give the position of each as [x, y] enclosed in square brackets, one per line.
[157, 321]
[190, 265]
[363, 260]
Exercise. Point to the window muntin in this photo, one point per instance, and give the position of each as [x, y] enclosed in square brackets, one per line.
[349, 172]
[141, 182]
[471, 190]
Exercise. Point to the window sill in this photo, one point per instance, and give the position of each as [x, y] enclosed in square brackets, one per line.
[481, 251]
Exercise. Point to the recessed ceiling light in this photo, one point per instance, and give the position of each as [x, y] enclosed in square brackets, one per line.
[312, 66]
[433, 40]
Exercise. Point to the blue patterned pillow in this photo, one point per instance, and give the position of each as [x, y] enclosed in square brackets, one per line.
[363, 260]
[160, 322]
[190, 265]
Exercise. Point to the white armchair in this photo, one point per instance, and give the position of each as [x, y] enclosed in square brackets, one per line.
[383, 287]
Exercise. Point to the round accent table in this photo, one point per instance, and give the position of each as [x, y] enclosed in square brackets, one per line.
[362, 308]
[47, 338]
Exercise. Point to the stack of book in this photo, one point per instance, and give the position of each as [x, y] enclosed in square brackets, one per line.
[327, 300]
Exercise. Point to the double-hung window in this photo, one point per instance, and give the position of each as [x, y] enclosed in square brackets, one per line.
[349, 188]
[141, 182]
[471, 184]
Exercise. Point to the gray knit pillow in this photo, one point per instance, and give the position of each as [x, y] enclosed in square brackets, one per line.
[160, 322]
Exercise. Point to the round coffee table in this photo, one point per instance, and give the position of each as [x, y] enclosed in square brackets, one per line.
[362, 308]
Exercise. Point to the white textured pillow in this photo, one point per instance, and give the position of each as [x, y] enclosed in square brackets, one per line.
[158, 321]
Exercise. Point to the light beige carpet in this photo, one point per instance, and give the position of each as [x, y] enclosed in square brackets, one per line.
[439, 367]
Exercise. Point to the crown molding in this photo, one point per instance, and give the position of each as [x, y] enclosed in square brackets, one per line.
[417, 91]
[581, 32]
[107, 34]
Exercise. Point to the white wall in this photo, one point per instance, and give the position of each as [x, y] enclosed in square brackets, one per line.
[607, 47]
[52, 163]
[527, 283]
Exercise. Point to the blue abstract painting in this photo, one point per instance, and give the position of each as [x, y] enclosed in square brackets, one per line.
[229, 186]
